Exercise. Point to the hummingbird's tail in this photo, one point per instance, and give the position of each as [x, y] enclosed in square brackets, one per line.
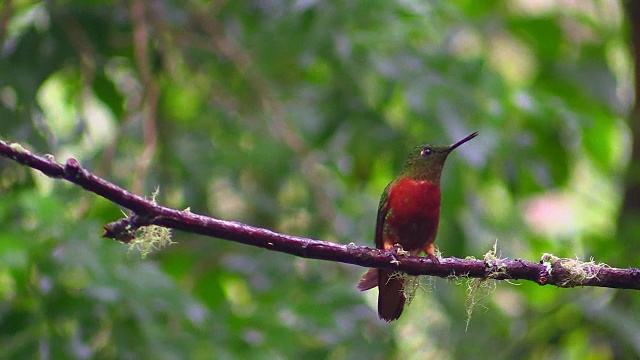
[391, 297]
[369, 280]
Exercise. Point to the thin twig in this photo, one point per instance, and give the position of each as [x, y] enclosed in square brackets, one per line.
[5, 15]
[151, 90]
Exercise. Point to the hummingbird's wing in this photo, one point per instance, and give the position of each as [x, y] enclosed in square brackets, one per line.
[391, 297]
[383, 209]
[370, 279]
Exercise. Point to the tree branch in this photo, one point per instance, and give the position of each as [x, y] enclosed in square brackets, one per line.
[549, 270]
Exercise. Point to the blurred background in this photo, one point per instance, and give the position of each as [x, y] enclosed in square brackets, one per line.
[294, 115]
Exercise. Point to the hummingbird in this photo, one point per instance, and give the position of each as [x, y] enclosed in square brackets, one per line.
[407, 221]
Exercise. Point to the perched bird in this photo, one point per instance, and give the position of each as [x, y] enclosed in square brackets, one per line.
[408, 217]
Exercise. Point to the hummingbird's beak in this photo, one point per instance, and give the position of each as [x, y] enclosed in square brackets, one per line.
[463, 141]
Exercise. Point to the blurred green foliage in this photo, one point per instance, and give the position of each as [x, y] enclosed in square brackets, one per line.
[294, 115]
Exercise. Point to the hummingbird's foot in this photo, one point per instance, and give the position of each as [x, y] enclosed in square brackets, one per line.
[400, 251]
[433, 258]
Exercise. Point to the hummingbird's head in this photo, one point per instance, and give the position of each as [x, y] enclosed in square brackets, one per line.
[425, 162]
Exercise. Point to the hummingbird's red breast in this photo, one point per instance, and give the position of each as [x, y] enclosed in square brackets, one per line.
[410, 216]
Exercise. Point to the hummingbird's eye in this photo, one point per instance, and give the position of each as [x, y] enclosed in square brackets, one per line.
[426, 151]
